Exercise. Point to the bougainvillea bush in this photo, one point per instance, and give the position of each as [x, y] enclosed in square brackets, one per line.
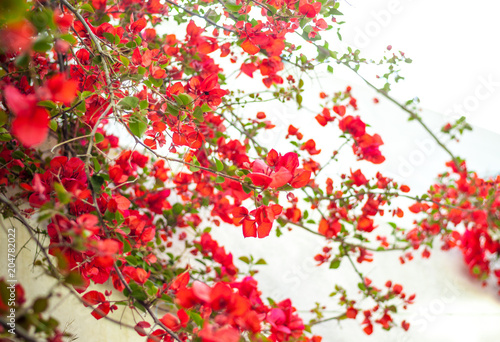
[126, 139]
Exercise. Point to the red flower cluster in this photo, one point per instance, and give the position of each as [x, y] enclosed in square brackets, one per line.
[259, 221]
[31, 122]
[279, 171]
[464, 195]
[365, 146]
[237, 307]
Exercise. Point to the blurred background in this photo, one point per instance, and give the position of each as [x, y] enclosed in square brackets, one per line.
[455, 53]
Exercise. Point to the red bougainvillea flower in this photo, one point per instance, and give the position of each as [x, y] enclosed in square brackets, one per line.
[31, 123]
[93, 298]
[141, 327]
[352, 125]
[365, 224]
[172, 322]
[324, 117]
[59, 89]
[329, 228]
[139, 275]
[17, 36]
[279, 171]
[340, 110]
[252, 35]
[310, 10]
[284, 323]
[310, 147]
[292, 130]
[367, 148]
[212, 333]
[138, 26]
[351, 313]
[63, 20]
[262, 222]
[358, 178]
[206, 90]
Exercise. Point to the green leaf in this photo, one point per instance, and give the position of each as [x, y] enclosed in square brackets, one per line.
[74, 278]
[143, 104]
[299, 99]
[13, 10]
[47, 104]
[69, 38]
[97, 166]
[278, 232]
[334, 11]
[53, 125]
[196, 318]
[261, 262]
[245, 259]
[125, 60]
[119, 218]
[185, 99]
[137, 126]
[141, 70]
[198, 114]
[40, 305]
[88, 8]
[42, 44]
[219, 179]
[174, 110]
[335, 263]
[206, 108]
[129, 102]
[232, 7]
[110, 37]
[393, 225]
[219, 165]
[393, 308]
[23, 60]
[177, 208]
[139, 294]
[131, 260]
[5, 135]
[98, 138]
[362, 286]
[126, 246]
[97, 182]
[63, 196]
[3, 118]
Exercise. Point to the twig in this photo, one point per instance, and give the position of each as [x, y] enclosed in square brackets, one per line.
[19, 331]
[412, 114]
[200, 16]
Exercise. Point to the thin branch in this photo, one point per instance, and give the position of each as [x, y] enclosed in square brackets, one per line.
[334, 318]
[395, 194]
[342, 240]
[412, 114]
[210, 21]
[19, 331]
[30, 230]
